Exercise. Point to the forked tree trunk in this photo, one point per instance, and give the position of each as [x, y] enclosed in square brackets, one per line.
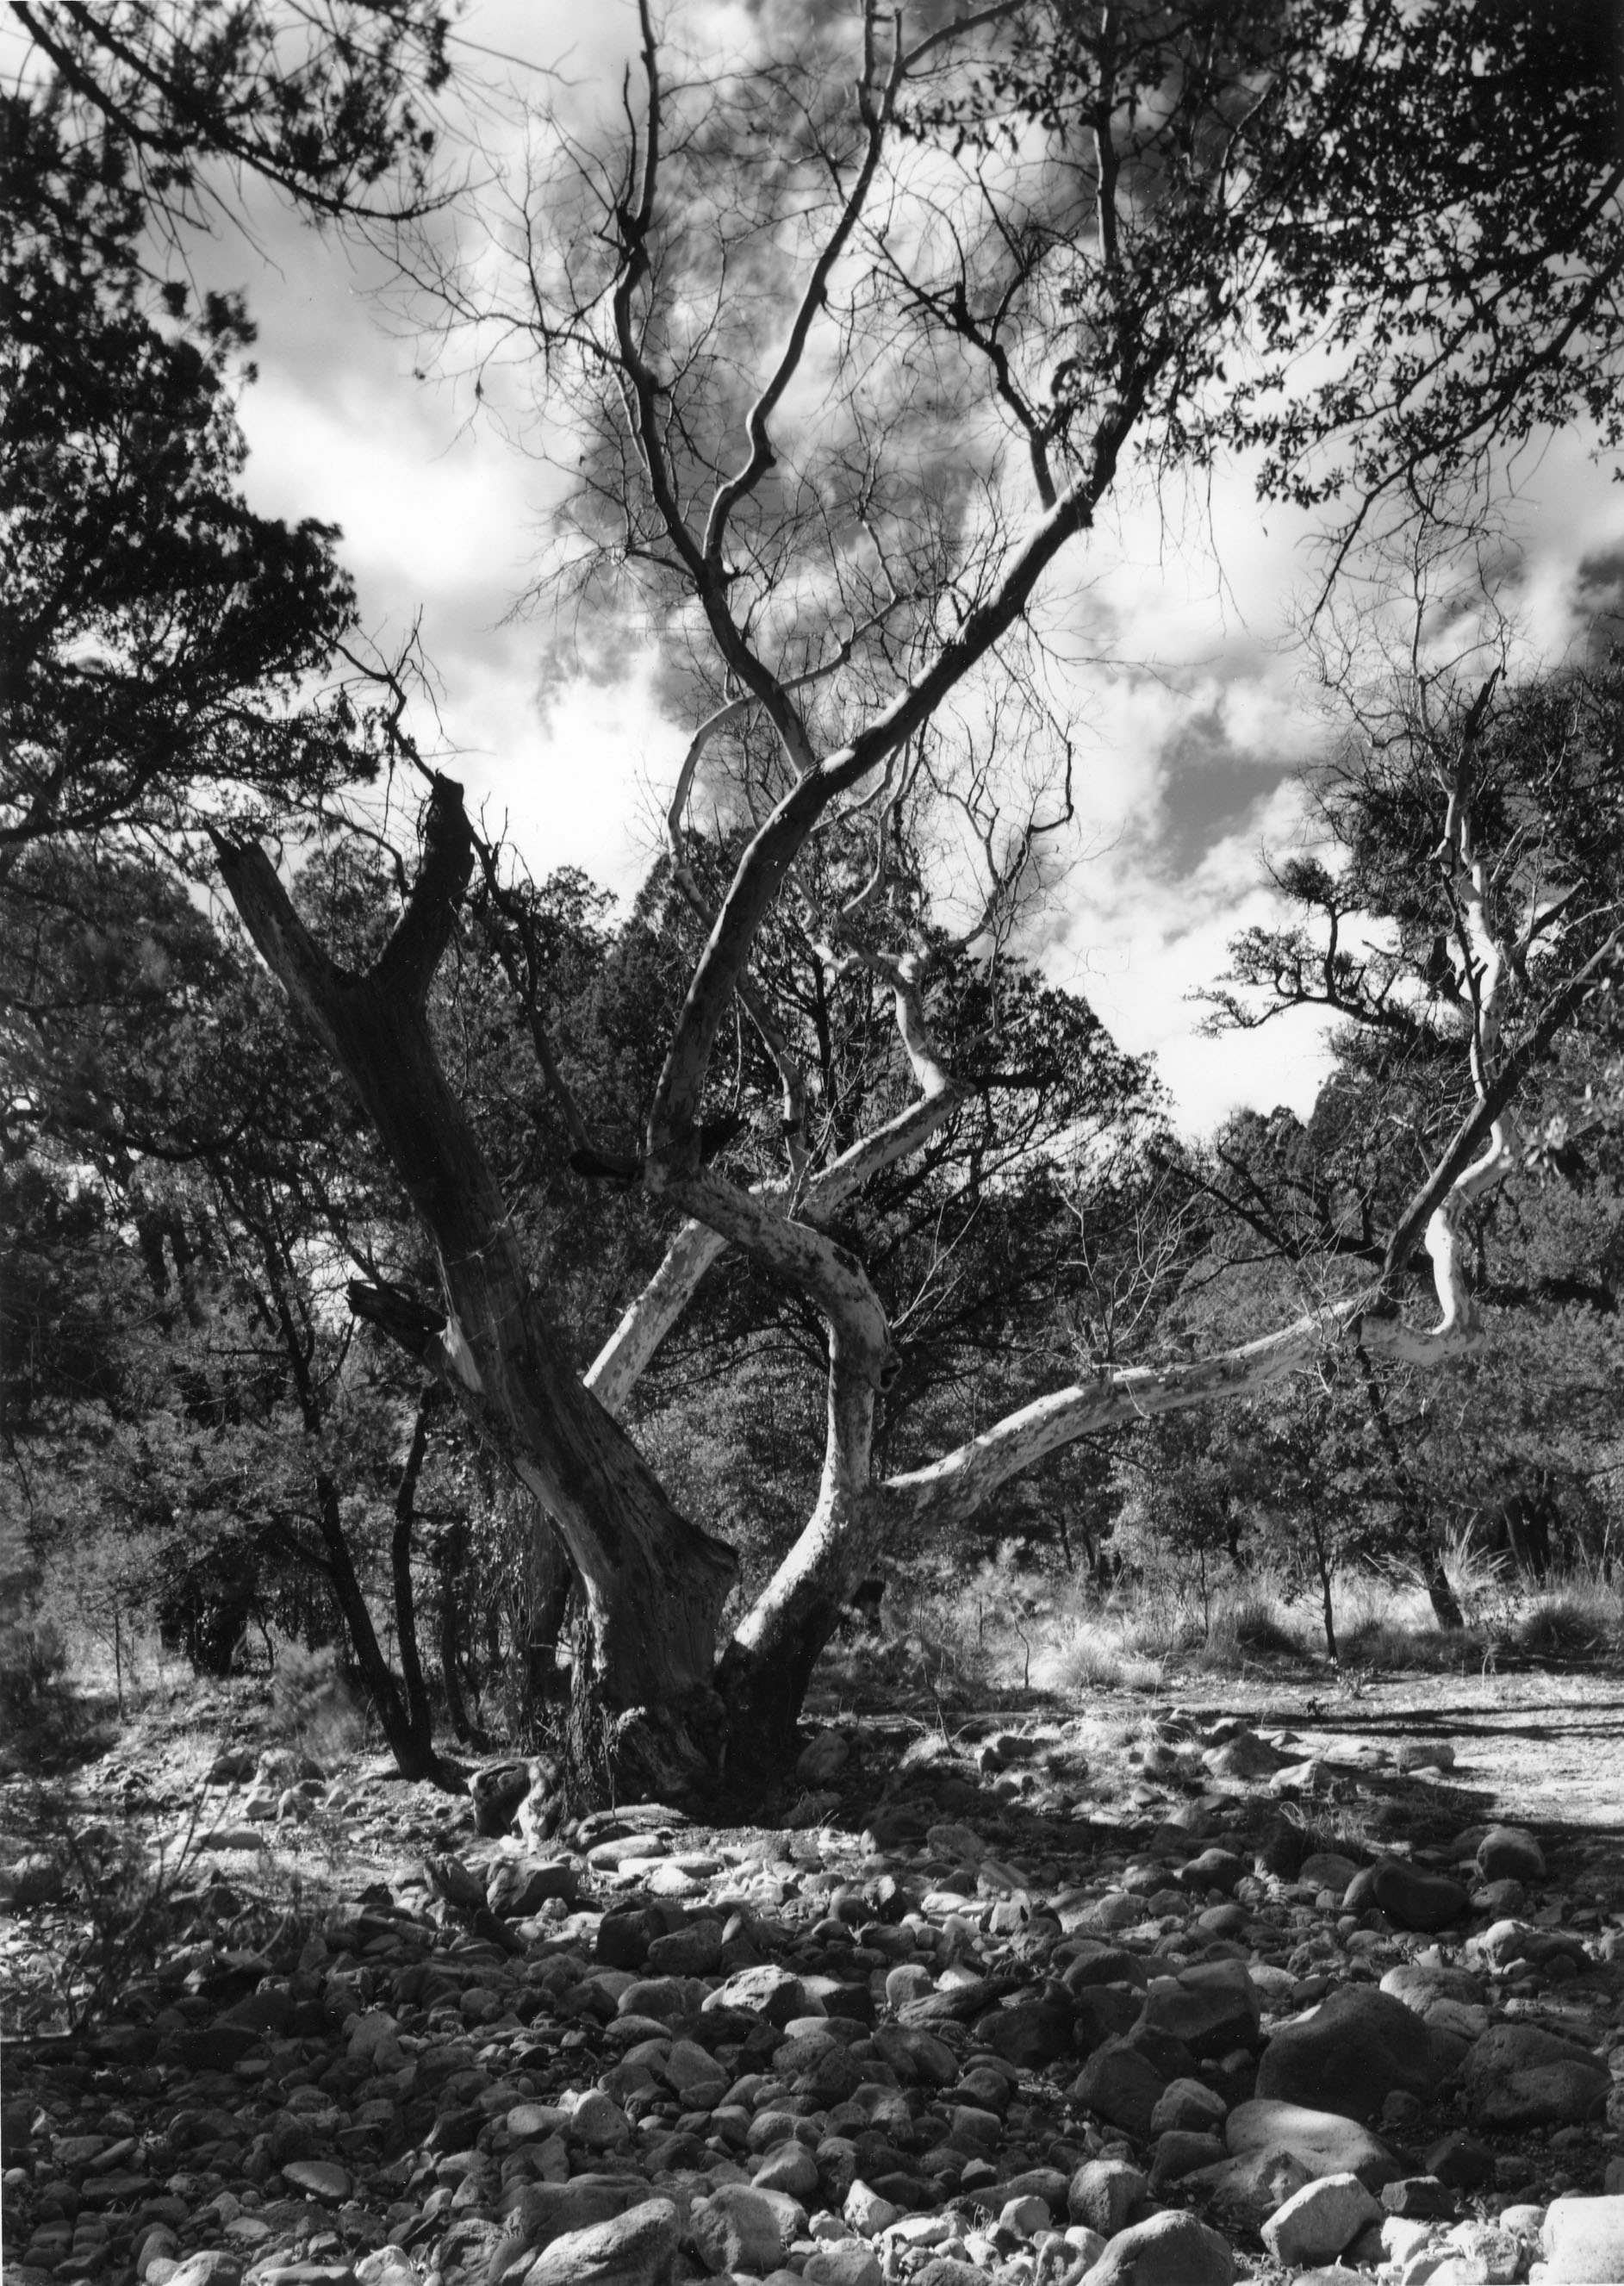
[654, 1583]
[403, 1716]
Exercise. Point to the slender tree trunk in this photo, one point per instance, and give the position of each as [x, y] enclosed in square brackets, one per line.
[407, 1731]
[1324, 1568]
[451, 1648]
[418, 1714]
[1419, 1530]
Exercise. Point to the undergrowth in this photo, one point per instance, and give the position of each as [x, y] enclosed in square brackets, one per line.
[1007, 1630]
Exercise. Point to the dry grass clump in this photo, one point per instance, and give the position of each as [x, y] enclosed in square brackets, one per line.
[1089, 1659]
[1248, 1627]
[1399, 1646]
[1580, 1621]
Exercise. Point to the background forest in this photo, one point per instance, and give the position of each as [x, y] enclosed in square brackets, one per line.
[234, 1432]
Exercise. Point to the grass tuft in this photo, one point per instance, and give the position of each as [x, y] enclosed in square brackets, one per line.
[1247, 1626]
[1088, 1660]
[1572, 1624]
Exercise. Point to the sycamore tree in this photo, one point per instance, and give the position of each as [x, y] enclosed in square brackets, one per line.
[1424, 949]
[850, 344]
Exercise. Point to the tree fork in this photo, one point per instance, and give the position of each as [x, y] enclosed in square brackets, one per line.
[655, 1583]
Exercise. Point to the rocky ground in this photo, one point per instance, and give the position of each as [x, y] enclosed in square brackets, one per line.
[1178, 2000]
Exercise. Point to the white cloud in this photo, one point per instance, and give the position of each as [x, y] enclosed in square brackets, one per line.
[1139, 942]
[1181, 745]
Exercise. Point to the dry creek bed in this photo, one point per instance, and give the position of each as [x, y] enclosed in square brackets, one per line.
[1202, 1996]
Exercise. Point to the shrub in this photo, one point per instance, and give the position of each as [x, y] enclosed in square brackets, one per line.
[312, 1705]
[1244, 1626]
[1569, 1626]
[37, 1707]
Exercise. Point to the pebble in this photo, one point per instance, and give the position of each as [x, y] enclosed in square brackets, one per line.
[961, 2043]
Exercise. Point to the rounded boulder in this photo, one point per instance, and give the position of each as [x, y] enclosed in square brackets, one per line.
[1357, 2048]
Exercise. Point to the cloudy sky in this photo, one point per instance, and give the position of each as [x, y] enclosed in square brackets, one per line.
[1186, 766]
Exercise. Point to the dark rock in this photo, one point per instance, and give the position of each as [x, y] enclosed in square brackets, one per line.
[1508, 1853]
[917, 2055]
[818, 2067]
[984, 2085]
[1029, 2034]
[269, 2010]
[852, 2003]
[1461, 2161]
[214, 2047]
[457, 2129]
[905, 2189]
[1169, 2055]
[1210, 2008]
[623, 1939]
[1045, 2183]
[1415, 1900]
[1120, 2085]
[1103, 2013]
[1191, 2105]
[1329, 1869]
[1420, 2198]
[669, 2000]
[1214, 1869]
[1179, 2152]
[695, 1950]
[1349, 2055]
[1103, 1964]
[1519, 2075]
